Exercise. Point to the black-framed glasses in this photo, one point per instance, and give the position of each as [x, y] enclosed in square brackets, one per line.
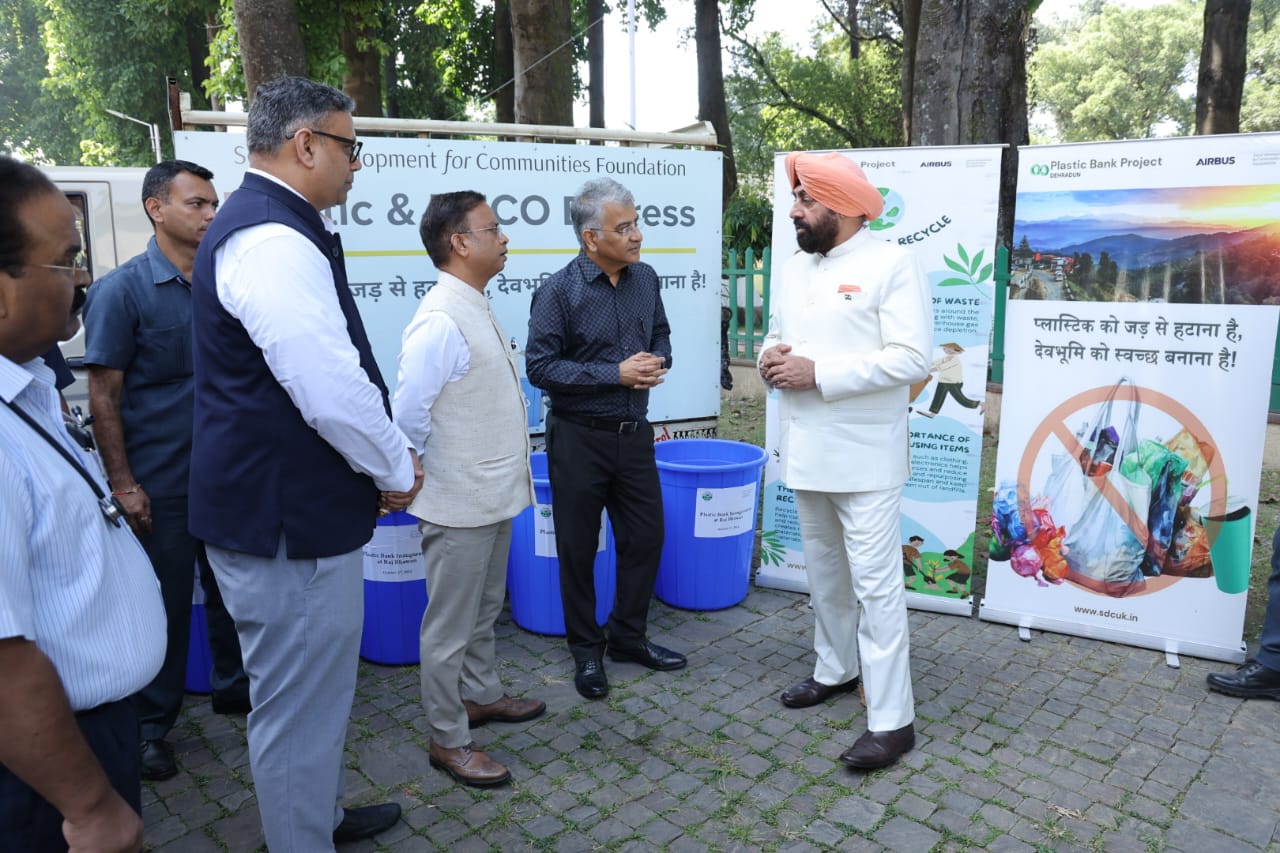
[496, 229]
[354, 144]
[79, 266]
[624, 231]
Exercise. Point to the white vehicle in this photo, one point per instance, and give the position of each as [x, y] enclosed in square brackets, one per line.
[115, 227]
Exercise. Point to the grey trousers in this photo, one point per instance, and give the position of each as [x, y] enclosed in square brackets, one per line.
[299, 623]
[466, 585]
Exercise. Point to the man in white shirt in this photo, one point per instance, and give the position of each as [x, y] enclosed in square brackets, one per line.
[82, 625]
[459, 400]
[293, 445]
[850, 328]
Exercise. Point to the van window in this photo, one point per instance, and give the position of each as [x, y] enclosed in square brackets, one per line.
[81, 203]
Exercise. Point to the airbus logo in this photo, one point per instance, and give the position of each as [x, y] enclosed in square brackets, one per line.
[1039, 170]
[1216, 161]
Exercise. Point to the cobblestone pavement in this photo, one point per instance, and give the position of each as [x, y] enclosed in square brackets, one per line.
[1061, 743]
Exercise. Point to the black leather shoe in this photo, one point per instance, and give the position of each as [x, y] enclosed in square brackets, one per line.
[231, 702]
[366, 821]
[590, 679]
[1251, 681]
[649, 654]
[808, 693]
[879, 749]
[157, 761]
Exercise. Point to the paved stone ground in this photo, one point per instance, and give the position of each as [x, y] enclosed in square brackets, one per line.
[1062, 743]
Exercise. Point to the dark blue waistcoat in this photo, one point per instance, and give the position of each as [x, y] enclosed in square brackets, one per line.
[257, 469]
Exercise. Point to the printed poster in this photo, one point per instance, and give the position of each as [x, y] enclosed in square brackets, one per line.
[941, 203]
[528, 185]
[1131, 442]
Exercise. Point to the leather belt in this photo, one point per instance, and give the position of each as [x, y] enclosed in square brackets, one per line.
[622, 427]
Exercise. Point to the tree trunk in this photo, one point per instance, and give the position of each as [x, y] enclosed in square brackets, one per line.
[270, 41]
[595, 61]
[969, 83]
[1223, 57]
[711, 103]
[851, 15]
[540, 31]
[363, 80]
[504, 100]
[910, 35]
[197, 52]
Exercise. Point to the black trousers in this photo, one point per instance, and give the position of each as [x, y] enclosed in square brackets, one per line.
[30, 824]
[592, 469]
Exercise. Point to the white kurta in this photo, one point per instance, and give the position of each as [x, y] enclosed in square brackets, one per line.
[863, 314]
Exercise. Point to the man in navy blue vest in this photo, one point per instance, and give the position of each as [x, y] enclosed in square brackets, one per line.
[293, 446]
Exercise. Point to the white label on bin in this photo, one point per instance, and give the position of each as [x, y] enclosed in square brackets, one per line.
[394, 555]
[544, 531]
[724, 512]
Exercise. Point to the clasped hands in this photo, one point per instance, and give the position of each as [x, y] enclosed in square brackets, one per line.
[643, 370]
[780, 369]
[396, 501]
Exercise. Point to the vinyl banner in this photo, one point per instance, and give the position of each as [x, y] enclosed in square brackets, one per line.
[1131, 440]
[1192, 219]
[941, 203]
[528, 185]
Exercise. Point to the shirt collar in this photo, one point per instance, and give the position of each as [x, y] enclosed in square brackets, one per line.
[862, 236]
[15, 378]
[591, 270]
[324, 216]
[163, 270]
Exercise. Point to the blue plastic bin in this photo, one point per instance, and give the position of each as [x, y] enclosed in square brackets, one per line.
[395, 591]
[710, 494]
[533, 579]
[532, 402]
[199, 656]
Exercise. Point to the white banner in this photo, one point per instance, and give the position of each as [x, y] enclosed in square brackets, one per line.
[942, 204]
[528, 185]
[1131, 441]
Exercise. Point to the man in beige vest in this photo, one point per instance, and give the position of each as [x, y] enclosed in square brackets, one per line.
[459, 400]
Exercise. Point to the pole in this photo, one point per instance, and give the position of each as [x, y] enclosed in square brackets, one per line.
[631, 36]
[153, 128]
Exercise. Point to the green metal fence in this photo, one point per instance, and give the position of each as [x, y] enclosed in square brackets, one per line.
[745, 292]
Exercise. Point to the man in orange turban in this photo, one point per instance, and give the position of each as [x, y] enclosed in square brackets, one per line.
[850, 328]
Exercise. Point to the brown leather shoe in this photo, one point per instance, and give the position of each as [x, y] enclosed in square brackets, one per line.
[879, 749]
[468, 765]
[808, 693]
[507, 709]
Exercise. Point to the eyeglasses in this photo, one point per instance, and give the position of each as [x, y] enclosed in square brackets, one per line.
[624, 231]
[496, 229]
[354, 144]
[79, 266]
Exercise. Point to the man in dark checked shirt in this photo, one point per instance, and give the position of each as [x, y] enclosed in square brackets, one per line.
[598, 341]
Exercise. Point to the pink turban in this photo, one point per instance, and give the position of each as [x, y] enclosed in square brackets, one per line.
[836, 182]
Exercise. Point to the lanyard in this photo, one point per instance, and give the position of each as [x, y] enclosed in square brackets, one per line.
[111, 509]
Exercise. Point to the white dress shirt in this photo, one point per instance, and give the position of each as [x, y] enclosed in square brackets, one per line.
[433, 353]
[77, 586]
[280, 287]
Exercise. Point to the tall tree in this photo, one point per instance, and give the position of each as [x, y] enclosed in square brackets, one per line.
[1260, 110]
[358, 38]
[542, 45]
[270, 41]
[1115, 73]
[711, 100]
[1223, 57]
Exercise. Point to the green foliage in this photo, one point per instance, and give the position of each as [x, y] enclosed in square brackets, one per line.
[1260, 107]
[1118, 72]
[748, 222]
[65, 62]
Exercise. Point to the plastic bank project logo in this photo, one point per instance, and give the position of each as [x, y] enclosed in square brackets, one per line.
[1040, 170]
[706, 496]
[893, 210]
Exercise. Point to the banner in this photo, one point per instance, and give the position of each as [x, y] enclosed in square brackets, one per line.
[1131, 440]
[941, 203]
[1191, 219]
[529, 186]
